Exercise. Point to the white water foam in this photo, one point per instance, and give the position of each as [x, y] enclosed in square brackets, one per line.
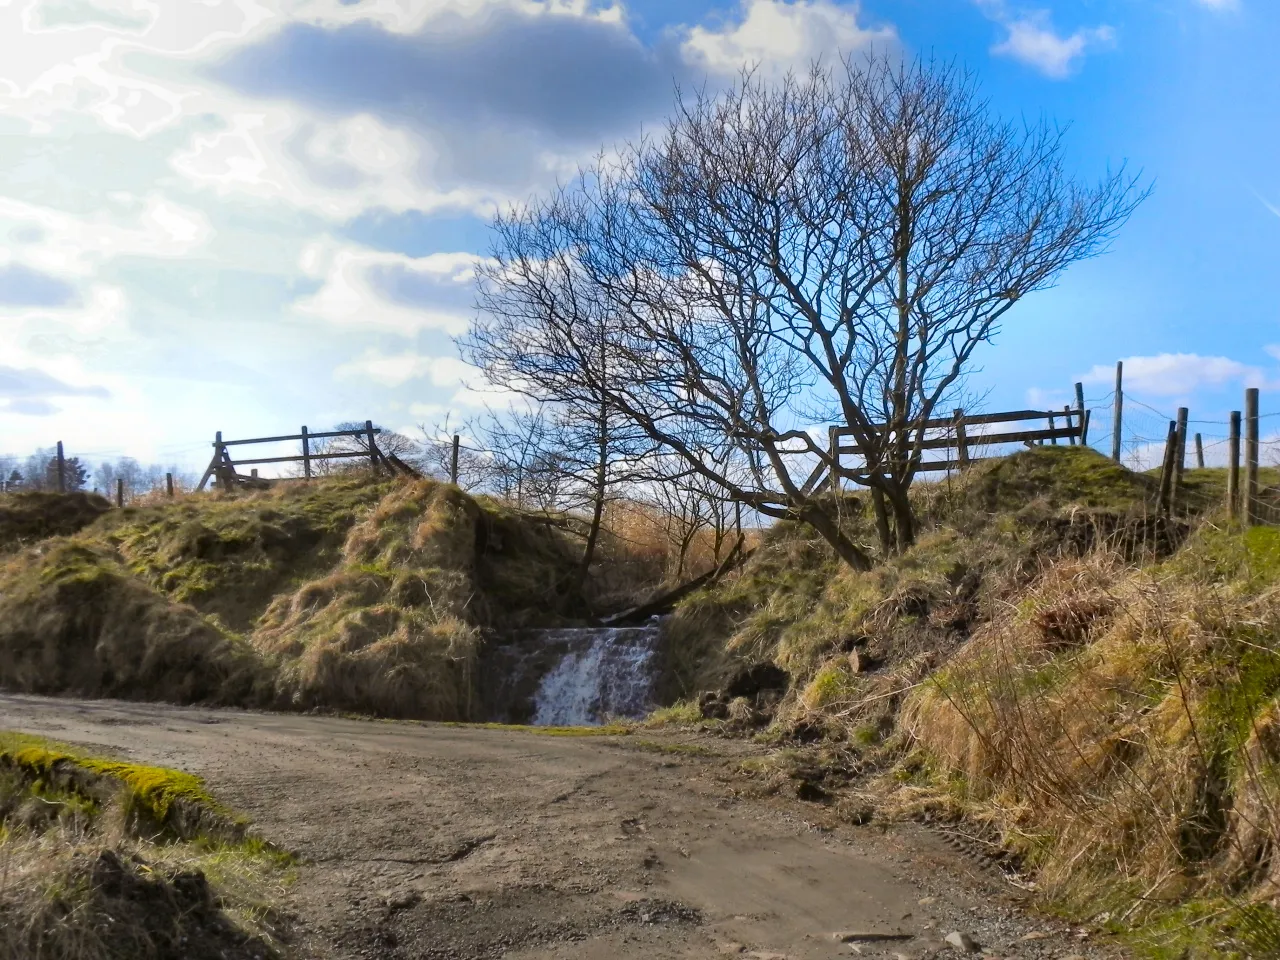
[605, 672]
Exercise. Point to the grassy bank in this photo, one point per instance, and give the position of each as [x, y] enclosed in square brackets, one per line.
[105, 860]
[351, 593]
[1089, 686]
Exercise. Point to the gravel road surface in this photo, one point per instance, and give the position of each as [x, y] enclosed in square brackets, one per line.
[466, 843]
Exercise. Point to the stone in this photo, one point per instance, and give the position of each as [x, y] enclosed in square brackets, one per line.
[962, 941]
[730, 947]
[1034, 935]
[925, 901]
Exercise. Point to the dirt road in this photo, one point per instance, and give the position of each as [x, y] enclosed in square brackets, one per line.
[460, 843]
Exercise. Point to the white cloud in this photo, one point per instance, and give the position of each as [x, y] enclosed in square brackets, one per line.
[781, 35]
[352, 296]
[1032, 39]
[1220, 4]
[1178, 374]
[396, 369]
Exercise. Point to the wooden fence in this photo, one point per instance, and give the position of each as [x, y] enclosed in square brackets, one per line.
[967, 438]
[222, 467]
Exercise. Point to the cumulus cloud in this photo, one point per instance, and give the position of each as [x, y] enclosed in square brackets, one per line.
[781, 35]
[1031, 39]
[372, 290]
[1178, 374]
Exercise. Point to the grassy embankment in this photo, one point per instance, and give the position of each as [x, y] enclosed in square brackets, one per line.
[347, 594]
[106, 860]
[1093, 689]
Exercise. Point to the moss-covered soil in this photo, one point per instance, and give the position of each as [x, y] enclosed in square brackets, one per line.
[107, 859]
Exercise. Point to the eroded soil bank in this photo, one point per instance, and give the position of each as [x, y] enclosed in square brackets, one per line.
[432, 841]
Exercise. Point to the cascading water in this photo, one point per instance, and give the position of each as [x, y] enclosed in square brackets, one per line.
[574, 676]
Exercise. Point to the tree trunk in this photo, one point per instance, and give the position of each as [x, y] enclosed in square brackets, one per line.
[904, 518]
[888, 544]
[597, 513]
[846, 549]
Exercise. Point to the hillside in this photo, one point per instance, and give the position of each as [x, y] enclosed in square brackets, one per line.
[347, 593]
[1091, 690]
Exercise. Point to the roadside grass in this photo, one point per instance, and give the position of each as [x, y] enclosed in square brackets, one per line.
[100, 858]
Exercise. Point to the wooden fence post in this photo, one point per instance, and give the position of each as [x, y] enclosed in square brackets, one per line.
[1251, 511]
[1084, 415]
[373, 450]
[306, 455]
[1180, 455]
[119, 491]
[1066, 412]
[1199, 453]
[962, 438]
[1118, 420]
[453, 461]
[1233, 466]
[62, 470]
[1054, 426]
[1168, 468]
[168, 484]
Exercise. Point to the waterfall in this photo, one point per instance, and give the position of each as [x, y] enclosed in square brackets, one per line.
[573, 676]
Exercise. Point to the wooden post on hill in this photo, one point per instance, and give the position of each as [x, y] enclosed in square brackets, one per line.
[1084, 418]
[1117, 421]
[1167, 468]
[962, 438]
[119, 491]
[1251, 512]
[1180, 456]
[1233, 466]
[373, 450]
[453, 461]
[1066, 412]
[306, 455]
[1199, 453]
[168, 484]
[1054, 426]
[62, 470]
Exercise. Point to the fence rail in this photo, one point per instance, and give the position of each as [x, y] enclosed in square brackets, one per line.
[222, 468]
[960, 442]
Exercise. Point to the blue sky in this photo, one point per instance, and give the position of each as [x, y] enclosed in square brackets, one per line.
[247, 215]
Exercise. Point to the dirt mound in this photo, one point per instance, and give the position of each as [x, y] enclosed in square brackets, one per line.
[352, 593]
[74, 620]
[28, 517]
[394, 628]
[229, 556]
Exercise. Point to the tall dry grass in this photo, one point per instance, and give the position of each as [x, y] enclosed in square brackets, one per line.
[1119, 727]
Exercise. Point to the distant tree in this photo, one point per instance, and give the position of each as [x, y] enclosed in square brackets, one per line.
[15, 481]
[75, 474]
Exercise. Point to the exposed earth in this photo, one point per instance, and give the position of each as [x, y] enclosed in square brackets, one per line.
[444, 842]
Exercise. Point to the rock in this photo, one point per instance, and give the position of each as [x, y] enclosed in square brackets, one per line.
[1034, 935]
[730, 948]
[925, 901]
[756, 678]
[855, 662]
[962, 942]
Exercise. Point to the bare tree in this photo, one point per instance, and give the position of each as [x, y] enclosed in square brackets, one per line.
[827, 249]
[572, 448]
